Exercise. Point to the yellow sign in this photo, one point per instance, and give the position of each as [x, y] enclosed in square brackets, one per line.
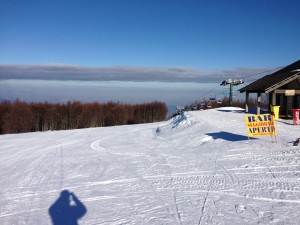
[260, 125]
[289, 92]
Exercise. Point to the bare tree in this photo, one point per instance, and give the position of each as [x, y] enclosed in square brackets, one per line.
[19, 118]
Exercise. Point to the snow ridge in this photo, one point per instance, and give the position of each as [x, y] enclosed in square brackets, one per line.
[178, 123]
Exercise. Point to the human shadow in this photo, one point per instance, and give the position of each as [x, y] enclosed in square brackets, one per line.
[228, 136]
[67, 209]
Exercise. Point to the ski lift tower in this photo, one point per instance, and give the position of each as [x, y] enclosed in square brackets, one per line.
[232, 83]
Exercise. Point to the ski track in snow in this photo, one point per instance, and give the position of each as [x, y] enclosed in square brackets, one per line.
[197, 168]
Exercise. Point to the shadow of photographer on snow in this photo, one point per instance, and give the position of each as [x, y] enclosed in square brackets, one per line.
[67, 209]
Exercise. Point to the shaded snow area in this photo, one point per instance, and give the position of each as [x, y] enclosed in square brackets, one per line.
[197, 168]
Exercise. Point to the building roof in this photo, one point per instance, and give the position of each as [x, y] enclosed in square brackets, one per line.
[275, 80]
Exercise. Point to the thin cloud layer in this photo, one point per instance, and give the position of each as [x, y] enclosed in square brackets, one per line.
[124, 73]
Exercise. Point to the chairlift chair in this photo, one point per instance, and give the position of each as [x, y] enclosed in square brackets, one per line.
[202, 103]
[209, 105]
[212, 98]
[226, 91]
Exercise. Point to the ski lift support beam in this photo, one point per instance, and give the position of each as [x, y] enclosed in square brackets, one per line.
[231, 82]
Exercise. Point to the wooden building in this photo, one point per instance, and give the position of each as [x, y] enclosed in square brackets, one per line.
[283, 88]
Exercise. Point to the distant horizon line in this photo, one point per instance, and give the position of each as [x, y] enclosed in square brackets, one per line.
[62, 72]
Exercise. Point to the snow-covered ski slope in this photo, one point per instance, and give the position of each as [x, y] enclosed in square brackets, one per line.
[198, 168]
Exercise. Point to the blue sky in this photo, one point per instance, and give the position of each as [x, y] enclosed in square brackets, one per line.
[146, 40]
[194, 33]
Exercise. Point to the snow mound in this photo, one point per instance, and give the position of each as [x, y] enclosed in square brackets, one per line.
[182, 120]
[179, 122]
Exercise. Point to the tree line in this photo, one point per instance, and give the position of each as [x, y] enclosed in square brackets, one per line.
[20, 116]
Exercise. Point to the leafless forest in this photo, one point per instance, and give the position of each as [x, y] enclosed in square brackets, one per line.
[19, 116]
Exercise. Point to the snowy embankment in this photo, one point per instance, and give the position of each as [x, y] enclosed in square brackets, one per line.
[198, 168]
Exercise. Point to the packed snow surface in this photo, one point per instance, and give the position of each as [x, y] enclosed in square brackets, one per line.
[197, 168]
